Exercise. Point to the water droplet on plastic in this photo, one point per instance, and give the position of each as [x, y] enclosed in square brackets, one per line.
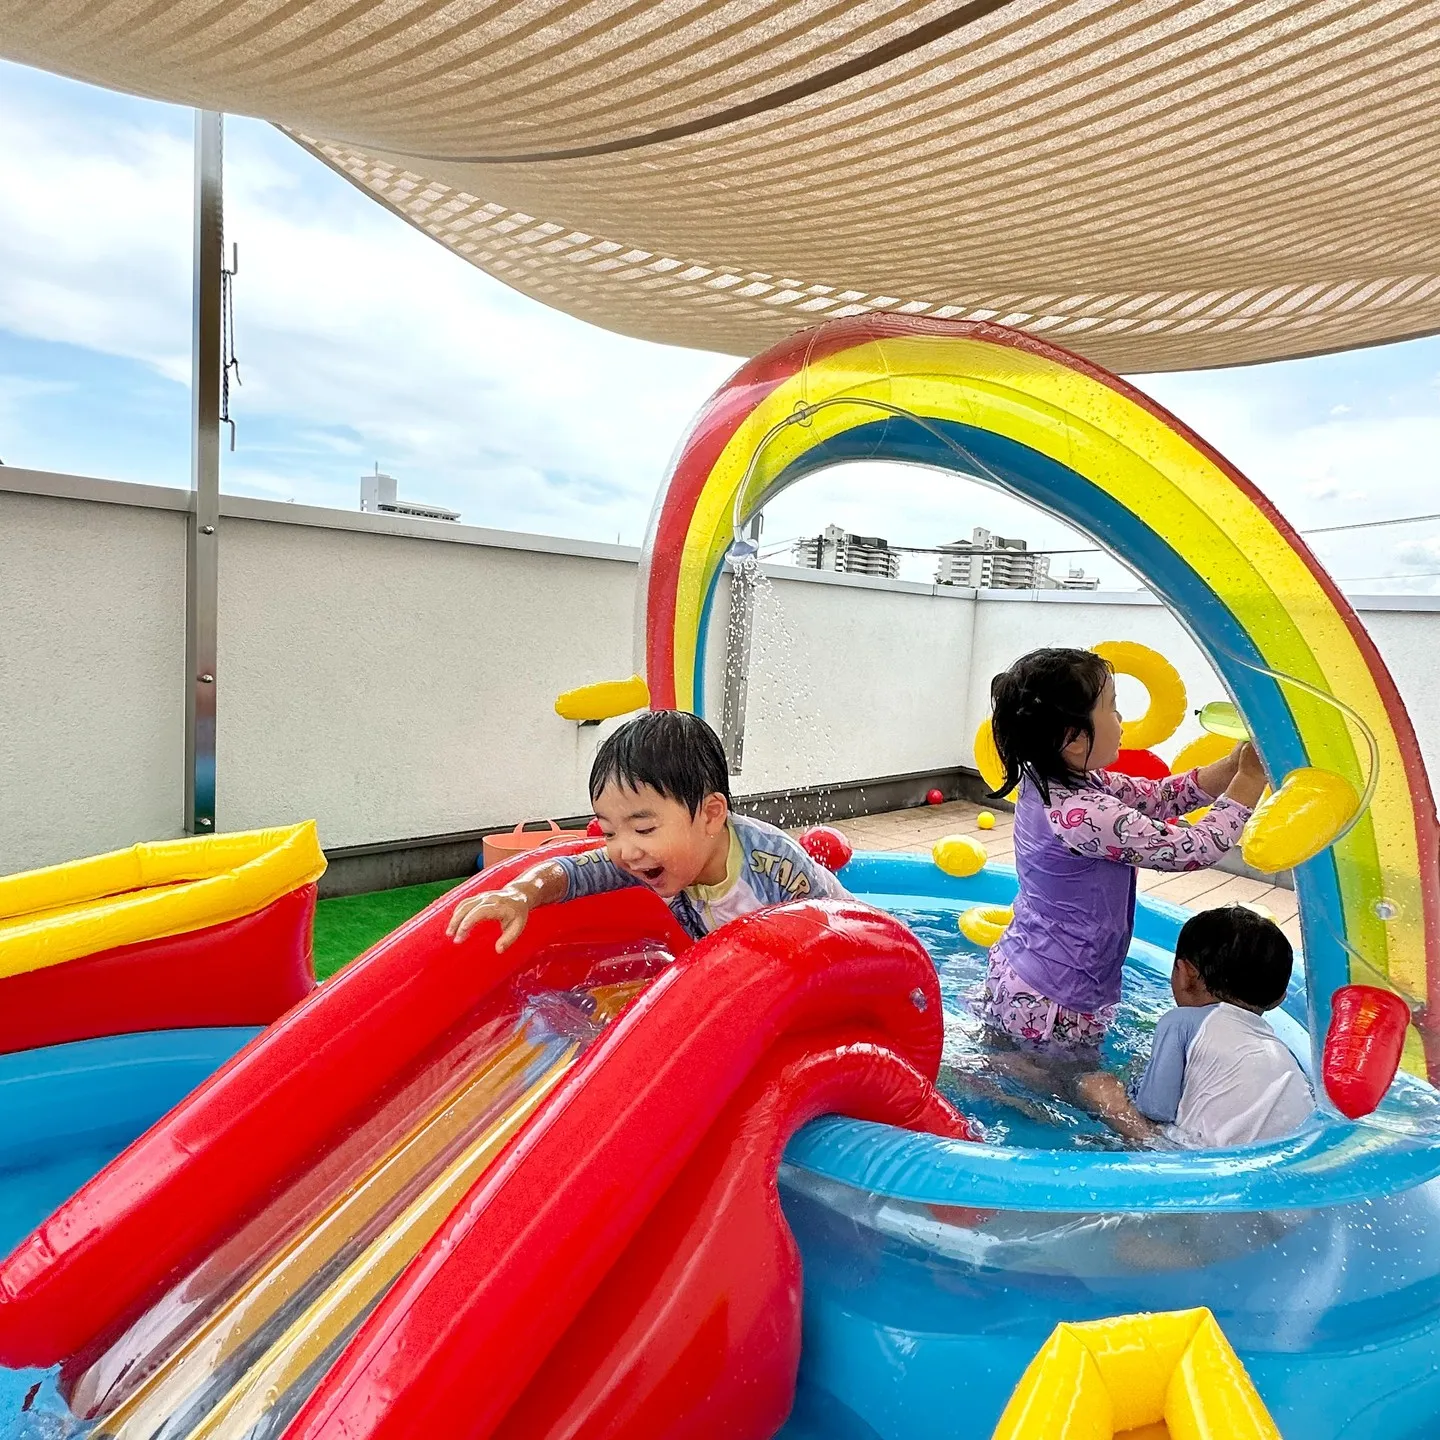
[918, 1000]
[1387, 909]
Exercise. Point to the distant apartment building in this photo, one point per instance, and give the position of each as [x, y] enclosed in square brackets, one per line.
[837, 549]
[993, 562]
[996, 562]
[378, 496]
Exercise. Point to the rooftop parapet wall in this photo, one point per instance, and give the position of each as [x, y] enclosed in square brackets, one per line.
[394, 678]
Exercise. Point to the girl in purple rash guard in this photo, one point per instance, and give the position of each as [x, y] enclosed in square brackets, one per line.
[1080, 832]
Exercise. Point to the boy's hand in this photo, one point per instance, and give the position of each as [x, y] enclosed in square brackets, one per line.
[510, 909]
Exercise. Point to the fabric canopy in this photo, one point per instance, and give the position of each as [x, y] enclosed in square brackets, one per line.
[1157, 185]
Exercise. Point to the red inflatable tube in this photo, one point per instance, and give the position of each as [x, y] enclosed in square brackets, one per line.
[1363, 1047]
[1145, 764]
[467, 1326]
[695, 1331]
[248, 971]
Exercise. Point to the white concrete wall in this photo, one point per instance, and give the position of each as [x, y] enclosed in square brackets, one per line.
[395, 679]
[850, 679]
[92, 677]
[393, 687]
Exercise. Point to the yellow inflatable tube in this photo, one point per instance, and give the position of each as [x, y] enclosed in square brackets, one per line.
[155, 889]
[1153, 1376]
[1166, 710]
[983, 925]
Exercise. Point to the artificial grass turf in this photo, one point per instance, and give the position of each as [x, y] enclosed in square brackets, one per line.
[349, 925]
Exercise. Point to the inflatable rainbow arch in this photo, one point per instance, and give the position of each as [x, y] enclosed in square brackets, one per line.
[1069, 437]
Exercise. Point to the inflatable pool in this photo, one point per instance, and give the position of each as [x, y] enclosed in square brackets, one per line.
[934, 1272]
[933, 1267]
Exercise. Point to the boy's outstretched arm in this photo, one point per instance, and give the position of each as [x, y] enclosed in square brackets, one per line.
[544, 884]
[1104, 1094]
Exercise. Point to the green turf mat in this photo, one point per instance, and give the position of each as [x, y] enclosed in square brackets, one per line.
[350, 924]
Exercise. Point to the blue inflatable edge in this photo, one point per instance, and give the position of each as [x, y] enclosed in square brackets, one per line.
[62, 1095]
[1330, 1162]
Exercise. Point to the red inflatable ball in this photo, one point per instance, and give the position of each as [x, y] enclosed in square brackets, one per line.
[827, 846]
[934, 797]
[1363, 1047]
[1143, 764]
[596, 829]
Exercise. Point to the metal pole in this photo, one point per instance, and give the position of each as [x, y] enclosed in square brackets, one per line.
[202, 550]
[738, 637]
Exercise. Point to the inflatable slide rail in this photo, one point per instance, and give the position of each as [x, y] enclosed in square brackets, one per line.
[599, 1235]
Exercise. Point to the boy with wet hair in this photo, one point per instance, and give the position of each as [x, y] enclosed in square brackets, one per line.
[660, 786]
[1218, 1074]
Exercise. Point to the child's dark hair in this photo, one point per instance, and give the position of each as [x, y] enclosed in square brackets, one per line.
[671, 751]
[1241, 956]
[1041, 703]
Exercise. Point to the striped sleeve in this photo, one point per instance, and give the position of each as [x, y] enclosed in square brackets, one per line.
[592, 872]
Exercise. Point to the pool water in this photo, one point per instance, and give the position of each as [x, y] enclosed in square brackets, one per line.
[1012, 1112]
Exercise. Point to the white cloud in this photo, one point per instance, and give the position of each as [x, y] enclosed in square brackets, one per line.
[1419, 553]
[1374, 461]
[356, 334]
[94, 237]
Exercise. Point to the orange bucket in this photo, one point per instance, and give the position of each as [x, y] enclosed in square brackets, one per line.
[495, 848]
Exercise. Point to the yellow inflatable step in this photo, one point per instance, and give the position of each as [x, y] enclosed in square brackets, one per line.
[1169, 1376]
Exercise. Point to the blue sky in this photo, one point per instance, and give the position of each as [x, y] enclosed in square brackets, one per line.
[361, 341]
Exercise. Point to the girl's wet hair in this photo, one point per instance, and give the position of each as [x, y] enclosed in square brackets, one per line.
[671, 751]
[1041, 703]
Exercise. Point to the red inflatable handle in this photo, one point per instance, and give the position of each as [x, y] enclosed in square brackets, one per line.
[695, 1331]
[1363, 1047]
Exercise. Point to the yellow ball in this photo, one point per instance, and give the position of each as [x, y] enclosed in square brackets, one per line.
[985, 820]
[959, 855]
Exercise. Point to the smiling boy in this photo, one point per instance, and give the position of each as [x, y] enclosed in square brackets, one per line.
[660, 786]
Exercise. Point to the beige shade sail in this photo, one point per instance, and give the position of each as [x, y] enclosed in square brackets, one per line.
[1157, 185]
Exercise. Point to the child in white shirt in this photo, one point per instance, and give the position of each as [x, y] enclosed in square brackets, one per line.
[1218, 1074]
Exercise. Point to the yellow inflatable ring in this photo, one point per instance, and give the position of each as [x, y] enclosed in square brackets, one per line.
[983, 925]
[1200, 752]
[987, 759]
[1166, 710]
